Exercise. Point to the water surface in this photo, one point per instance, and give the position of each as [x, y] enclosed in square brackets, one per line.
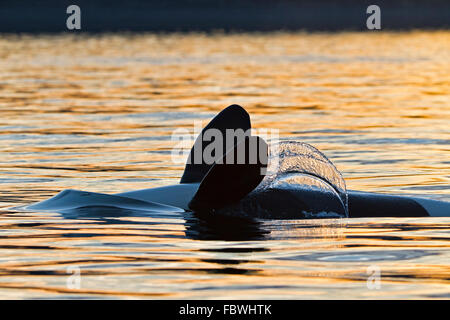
[97, 113]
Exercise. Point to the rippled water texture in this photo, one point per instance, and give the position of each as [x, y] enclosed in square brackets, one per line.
[97, 113]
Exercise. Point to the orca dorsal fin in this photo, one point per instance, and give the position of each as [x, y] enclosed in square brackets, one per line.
[233, 117]
[227, 183]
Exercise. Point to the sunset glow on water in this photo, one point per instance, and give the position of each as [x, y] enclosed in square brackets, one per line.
[97, 113]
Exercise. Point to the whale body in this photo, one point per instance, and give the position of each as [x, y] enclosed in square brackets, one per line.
[308, 186]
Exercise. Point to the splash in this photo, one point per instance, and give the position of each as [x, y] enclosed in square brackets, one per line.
[301, 183]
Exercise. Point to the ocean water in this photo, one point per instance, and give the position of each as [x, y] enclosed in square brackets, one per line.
[97, 113]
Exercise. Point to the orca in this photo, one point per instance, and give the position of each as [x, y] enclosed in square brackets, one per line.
[245, 189]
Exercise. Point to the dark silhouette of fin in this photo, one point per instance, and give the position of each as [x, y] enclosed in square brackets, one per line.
[227, 183]
[233, 117]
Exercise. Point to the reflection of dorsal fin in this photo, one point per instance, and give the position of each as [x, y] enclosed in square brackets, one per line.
[227, 183]
[233, 117]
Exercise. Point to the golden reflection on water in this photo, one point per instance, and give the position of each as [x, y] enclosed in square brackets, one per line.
[97, 113]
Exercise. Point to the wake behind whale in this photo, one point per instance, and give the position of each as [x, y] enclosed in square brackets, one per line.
[287, 180]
